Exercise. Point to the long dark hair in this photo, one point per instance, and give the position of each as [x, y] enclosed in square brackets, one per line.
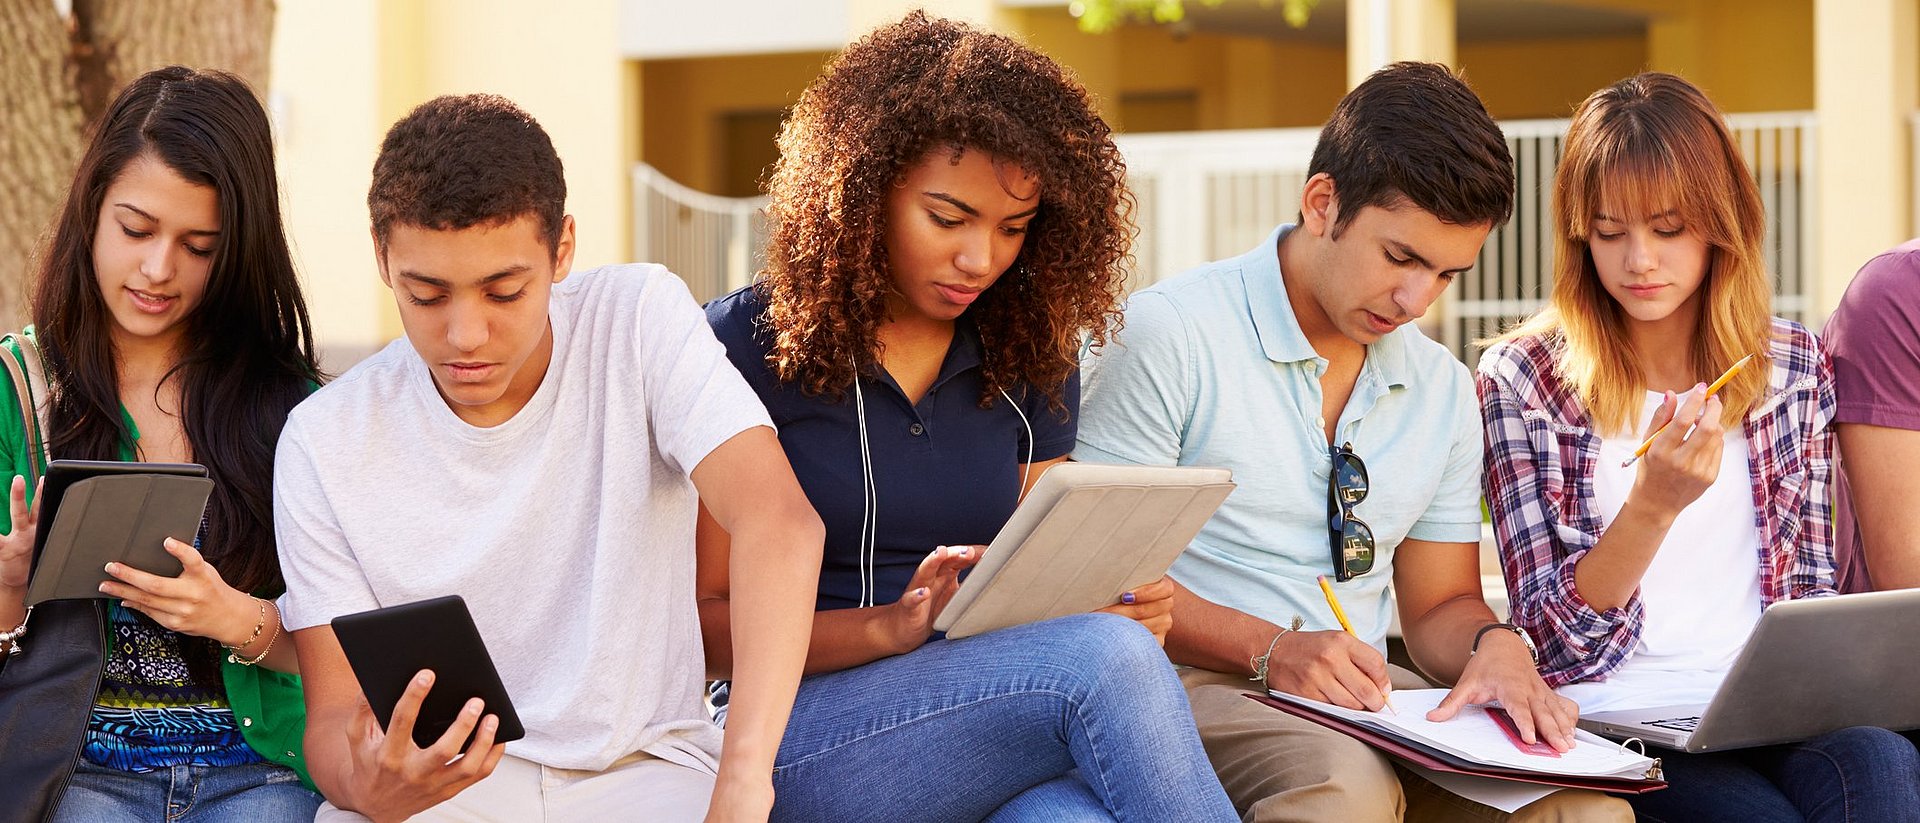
[248, 354]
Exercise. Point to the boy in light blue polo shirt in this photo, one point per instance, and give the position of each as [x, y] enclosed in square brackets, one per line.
[1357, 446]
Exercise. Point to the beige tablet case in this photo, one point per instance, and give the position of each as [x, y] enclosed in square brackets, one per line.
[1085, 534]
[124, 518]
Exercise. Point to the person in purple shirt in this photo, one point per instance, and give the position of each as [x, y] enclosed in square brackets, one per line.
[1874, 340]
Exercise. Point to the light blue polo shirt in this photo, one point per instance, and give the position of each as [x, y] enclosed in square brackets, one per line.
[1211, 369]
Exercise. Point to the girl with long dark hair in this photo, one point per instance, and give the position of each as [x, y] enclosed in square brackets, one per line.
[170, 327]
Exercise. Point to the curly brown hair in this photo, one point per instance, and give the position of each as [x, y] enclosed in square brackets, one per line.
[900, 92]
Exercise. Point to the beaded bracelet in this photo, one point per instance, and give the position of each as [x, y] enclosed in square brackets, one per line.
[233, 652]
[257, 626]
[1259, 663]
[10, 640]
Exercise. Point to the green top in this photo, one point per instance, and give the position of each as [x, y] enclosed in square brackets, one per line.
[268, 705]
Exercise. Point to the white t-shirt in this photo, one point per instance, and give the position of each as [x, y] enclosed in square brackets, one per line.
[568, 529]
[1701, 592]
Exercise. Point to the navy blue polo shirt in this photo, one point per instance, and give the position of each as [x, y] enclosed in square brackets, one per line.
[945, 471]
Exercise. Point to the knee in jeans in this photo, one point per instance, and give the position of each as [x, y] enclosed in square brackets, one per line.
[1868, 747]
[1109, 642]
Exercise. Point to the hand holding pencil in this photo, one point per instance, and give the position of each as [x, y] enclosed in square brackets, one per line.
[1681, 458]
[1341, 615]
[1711, 391]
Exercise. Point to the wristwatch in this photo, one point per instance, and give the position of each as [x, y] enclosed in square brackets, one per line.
[1533, 652]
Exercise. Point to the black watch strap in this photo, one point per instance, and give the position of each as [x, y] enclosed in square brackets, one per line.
[1533, 652]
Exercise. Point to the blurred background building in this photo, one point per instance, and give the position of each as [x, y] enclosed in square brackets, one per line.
[664, 113]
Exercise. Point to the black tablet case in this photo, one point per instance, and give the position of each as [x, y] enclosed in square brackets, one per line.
[388, 646]
[103, 512]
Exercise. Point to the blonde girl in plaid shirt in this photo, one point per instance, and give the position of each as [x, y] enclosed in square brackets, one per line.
[1660, 286]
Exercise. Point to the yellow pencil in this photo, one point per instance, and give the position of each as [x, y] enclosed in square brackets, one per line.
[1341, 615]
[1711, 391]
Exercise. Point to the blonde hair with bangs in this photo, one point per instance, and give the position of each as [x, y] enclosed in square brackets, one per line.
[1646, 144]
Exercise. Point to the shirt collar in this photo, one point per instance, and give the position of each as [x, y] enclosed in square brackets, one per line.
[1273, 318]
[965, 352]
[1279, 329]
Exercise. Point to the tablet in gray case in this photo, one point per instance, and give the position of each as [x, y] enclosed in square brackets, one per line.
[97, 512]
[388, 646]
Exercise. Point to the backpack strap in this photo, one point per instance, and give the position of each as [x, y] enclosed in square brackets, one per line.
[27, 372]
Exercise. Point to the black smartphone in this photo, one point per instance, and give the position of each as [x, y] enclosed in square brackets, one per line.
[388, 646]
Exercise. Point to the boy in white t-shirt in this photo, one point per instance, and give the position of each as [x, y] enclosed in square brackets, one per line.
[538, 445]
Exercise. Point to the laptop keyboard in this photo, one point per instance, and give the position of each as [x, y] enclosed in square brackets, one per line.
[1678, 724]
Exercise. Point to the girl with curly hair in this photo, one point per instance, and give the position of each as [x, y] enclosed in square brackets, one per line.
[949, 221]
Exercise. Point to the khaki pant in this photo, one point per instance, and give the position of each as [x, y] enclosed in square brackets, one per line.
[636, 787]
[1277, 767]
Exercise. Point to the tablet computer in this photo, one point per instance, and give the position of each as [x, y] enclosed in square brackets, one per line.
[1086, 533]
[93, 512]
[386, 647]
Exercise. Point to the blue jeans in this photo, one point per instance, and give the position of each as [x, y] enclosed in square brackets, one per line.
[1079, 718]
[264, 792]
[1857, 774]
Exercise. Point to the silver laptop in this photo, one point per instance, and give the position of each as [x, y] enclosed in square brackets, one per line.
[1810, 667]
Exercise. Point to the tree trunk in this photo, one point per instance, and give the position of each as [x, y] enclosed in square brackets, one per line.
[58, 74]
[39, 140]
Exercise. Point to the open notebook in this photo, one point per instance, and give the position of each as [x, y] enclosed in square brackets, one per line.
[1471, 743]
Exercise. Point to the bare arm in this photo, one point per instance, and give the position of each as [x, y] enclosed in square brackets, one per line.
[749, 492]
[1879, 464]
[198, 602]
[1437, 589]
[842, 638]
[1331, 666]
[839, 638]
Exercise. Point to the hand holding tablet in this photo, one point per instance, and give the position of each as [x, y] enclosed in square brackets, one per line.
[1085, 534]
[91, 513]
[388, 649]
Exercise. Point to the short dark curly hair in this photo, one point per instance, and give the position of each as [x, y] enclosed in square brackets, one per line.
[1415, 131]
[902, 91]
[460, 161]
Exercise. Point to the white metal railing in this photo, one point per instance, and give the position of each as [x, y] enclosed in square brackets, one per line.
[714, 243]
[1208, 195]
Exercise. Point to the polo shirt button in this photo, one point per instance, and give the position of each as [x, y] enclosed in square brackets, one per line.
[246, 721]
[916, 430]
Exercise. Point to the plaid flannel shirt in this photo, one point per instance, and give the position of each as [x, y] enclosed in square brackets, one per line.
[1540, 462]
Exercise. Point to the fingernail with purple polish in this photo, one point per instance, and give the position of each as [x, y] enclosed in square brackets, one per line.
[1127, 598]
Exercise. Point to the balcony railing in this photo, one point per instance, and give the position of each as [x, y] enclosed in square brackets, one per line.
[1208, 195]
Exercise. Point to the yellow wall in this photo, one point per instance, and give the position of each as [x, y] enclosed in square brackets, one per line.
[1509, 76]
[1239, 82]
[329, 122]
[1748, 55]
[683, 103]
[344, 70]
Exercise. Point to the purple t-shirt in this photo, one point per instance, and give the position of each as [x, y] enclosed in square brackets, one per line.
[1874, 340]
